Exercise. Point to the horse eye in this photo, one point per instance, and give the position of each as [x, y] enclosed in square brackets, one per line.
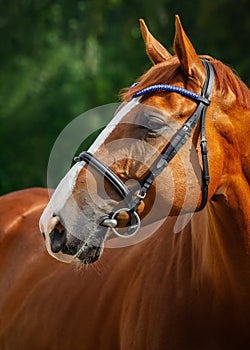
[154, 123]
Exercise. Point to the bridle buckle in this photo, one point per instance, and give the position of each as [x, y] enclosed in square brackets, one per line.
[141, 195]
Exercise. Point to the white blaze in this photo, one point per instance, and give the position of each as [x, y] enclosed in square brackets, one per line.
[67, 184]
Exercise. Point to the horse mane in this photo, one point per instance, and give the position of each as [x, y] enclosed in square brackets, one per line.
[164, 73]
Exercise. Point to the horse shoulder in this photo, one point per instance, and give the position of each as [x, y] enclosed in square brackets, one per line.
[23, 257]
[17, 206]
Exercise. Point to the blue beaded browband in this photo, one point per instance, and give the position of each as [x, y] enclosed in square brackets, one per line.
[170, 88]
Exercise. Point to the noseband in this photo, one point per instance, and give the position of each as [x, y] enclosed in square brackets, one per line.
[176, 143]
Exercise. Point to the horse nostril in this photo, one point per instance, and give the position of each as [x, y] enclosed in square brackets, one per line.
[43, 234]
[57, 240]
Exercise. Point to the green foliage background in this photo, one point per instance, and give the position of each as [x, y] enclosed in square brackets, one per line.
[61, 58]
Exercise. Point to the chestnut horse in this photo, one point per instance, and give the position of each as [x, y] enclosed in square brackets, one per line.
[187, 285]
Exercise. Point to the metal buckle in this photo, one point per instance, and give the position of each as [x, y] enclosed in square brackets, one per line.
[142, 196]
[129, 231]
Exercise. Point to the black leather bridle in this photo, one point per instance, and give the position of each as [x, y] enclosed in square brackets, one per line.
[176, 143]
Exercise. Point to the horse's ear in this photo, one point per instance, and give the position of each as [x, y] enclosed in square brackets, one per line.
[155, 51]
[190, 61]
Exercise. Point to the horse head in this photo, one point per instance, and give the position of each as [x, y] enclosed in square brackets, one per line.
[151, 161]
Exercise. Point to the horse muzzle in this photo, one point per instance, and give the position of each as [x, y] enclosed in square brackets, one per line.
[65, 247]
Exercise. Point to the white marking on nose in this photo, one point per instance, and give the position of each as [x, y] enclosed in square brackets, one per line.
[66, 186]
[60, 196]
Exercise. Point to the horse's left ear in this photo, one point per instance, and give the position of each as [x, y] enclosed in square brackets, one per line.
[155, 51]
[190, 61]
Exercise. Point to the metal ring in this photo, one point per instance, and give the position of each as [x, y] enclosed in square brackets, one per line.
[134, 228]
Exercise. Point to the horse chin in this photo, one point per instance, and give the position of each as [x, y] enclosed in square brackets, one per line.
[89, 255]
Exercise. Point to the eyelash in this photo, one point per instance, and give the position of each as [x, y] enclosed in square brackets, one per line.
[154, 124]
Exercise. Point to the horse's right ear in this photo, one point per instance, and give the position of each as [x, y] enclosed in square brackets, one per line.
[190, 61]
[155, 51]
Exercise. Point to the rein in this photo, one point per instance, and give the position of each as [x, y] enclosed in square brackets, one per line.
[176, 143]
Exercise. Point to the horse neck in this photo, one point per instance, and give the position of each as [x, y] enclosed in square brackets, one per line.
[231, 198]
[222, 232]
[221, 238]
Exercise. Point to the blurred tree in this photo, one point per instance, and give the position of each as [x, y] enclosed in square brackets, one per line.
[227, 33]
[60, 58]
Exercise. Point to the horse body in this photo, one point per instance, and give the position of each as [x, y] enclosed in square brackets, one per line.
[185, 290]
[169, 291]
[46, 304]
